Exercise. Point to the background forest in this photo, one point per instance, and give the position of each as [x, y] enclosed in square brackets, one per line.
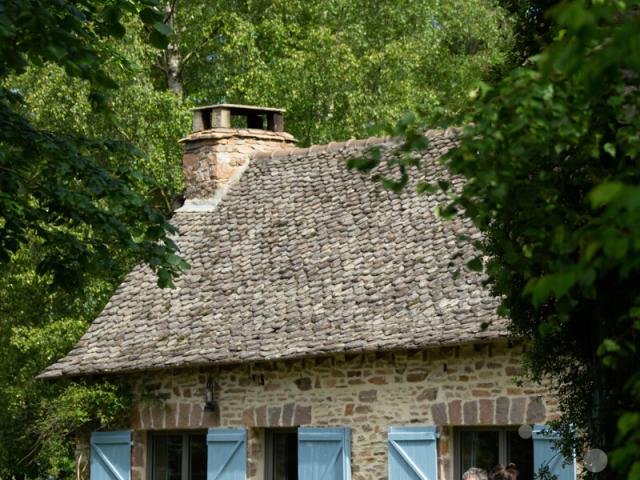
[339, 67]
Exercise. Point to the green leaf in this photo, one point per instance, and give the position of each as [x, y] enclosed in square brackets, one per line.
[555, 285]
[158, 40]
[163, 28]
[475, 264]
[610, 148]
[605, 193]
[150, 16]
[424, 187]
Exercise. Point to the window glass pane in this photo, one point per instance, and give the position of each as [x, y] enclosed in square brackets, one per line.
[520, 452]
[479, 449]
[167, 457]
[198, 457]
[285, 456]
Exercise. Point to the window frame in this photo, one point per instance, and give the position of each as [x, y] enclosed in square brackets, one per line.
[268, 448]
[502, 443]
[186, 464]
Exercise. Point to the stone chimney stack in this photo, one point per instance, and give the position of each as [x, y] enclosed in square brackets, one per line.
[223, 139]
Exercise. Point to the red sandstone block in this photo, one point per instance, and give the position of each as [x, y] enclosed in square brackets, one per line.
[184, 409]
[274, 416]
[287, 414]
[145, 417]
[487, 408]
[135, 419]
[171, 415]
[502, 410]
[137, 456]
[470, 410]
[517, 410]
[195, 418]
[211, 419]
[416, 377]
[247, 418]
[157, 416]
[439, 413]
[455, 412]
[480, 393]
[302, 415]
[536, 411]
[377, 380]
[261, 416]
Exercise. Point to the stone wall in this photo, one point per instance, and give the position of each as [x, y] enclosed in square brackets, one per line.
[469, 385]
[213, 157]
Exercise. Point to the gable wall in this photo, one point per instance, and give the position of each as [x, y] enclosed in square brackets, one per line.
[468, 385]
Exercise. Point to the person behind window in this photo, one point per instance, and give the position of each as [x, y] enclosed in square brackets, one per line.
[475, 473]
[500, 472]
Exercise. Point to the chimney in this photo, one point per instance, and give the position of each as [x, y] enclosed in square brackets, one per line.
[223, 139]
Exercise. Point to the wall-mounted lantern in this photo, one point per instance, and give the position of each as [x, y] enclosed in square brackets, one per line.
[208, 397]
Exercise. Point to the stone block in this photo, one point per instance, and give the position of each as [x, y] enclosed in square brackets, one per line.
[536, 411]
[439, 414]
[368, 396]
[302, 415]
[171, 415]
[287, 414]
[274, 416]
[470, 411]
[184, 410]
[416, 376]
[487, 408]
[502, 410]
[303, 384]
[517, 410]
[211, 419]
[428, 394]
[377, 380]
[247, 418]
[455, 412]
[195, 417]
[261, 416]
[157, 416]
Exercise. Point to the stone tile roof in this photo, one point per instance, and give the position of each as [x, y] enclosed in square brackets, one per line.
[301, 258]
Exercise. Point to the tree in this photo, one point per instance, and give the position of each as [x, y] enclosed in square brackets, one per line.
[75, 211]
[550, 157]
[337, 66]
[64, 189]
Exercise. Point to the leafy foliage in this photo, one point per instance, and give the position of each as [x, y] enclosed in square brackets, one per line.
[338, 66]
[79, 205]
[64, 188]
[551, 159]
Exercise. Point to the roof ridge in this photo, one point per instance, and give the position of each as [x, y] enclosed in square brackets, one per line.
[351, 143]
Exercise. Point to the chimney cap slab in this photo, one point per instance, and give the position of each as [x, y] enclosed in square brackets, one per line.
[237, 107]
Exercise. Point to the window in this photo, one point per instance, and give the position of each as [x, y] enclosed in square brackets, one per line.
[178, 456]
[281, 454]
[486, 448]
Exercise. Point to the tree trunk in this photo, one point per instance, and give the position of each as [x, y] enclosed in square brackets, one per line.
[171, 59]
[174, 69]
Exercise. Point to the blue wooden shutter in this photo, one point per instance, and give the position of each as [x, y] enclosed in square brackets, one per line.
[111, 455]
[412, 453]
[324, 454]
[545, 453]
[227, 454]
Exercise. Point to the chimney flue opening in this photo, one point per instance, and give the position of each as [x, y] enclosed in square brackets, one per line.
[222, 116]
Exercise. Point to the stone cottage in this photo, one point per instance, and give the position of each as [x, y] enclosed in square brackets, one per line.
[320, 332]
